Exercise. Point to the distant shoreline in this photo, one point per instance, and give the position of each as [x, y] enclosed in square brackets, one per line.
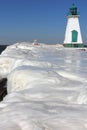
[3, 47]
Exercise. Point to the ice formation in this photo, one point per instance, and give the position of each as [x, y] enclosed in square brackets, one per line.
[47, 88]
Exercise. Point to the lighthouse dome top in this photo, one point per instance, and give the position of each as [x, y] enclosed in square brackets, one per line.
[73, 11]
[73, 6]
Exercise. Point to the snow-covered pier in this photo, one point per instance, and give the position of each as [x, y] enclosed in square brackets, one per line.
[46, 86]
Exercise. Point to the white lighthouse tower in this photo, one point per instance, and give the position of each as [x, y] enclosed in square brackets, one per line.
[73, 36]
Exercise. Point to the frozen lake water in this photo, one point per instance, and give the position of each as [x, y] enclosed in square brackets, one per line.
[47, 88]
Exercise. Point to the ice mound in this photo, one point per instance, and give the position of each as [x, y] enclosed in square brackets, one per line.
[47, 87]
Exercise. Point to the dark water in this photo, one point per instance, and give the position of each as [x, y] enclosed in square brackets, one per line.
[2, 48]
[3, 82]
[3, 88]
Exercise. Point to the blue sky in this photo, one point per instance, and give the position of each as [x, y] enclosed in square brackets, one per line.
[44, 20]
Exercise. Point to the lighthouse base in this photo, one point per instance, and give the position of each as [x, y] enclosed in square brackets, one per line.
[74, 45]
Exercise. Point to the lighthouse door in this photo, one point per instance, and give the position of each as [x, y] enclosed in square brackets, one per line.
[74, 36]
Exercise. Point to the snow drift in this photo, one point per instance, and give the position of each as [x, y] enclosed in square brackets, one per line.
[47, 88]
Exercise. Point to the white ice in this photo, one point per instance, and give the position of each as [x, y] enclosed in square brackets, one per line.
[47, 88]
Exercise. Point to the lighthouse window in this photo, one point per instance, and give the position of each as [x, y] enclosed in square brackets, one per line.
[73, 11]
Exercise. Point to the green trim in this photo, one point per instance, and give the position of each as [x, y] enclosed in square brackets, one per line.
[74, 45]
[73, 10]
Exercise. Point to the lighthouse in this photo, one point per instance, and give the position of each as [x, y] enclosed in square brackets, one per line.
[73, 37]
